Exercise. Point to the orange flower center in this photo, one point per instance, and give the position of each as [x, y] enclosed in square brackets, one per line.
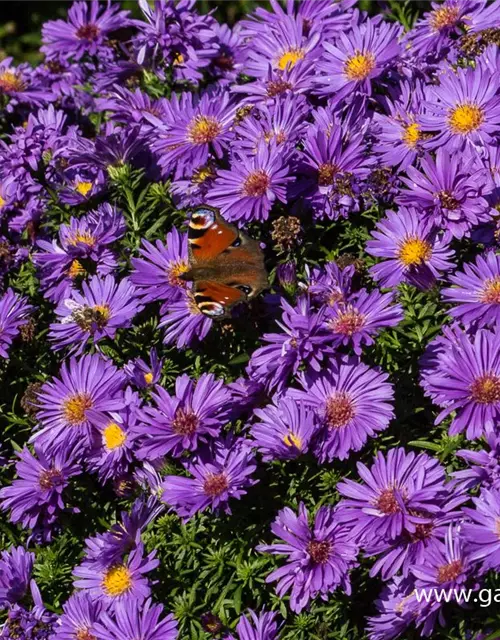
[387, 502]
[10, 81]
[486, 389]
[444, 17]
[203, 129]
[359, 66]
[449, 571]
[82, 238]
[339, 410]
[215, 484]
[49, 479]
[326, 174]
[319, 551]
[74, 408]
[76, 269]
[491, 291]
[256, 184]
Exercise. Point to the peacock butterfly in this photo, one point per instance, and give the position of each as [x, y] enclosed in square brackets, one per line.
[226, 265]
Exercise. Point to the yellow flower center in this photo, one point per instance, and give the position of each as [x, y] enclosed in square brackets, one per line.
[114, 436]
[360, 66]
[84, 238]
[2, 202]
[203, 129]
[202, 174]
[117, 580]
[414, 251]
[175, 271]
[290, 58]
[411, 135]
[178, 59]
[84, 634]
[466, 118]
[292, 440]
[76, 269]
[148, 377]
[74, 408]
[10, 81]
[491, 291]
[444, 17]
[83, 188]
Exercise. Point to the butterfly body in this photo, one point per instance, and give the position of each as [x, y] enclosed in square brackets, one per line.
[226, 265]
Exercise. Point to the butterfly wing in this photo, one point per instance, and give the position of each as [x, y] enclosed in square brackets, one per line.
[214, 299]
[209, 235]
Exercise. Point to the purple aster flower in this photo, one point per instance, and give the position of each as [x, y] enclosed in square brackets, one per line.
[481, 533]
[281, 46]
[351, 402]
[158, 273]
[132, 621]
[20, 85]
[114, 445]
[357, 58]
[219, 473]
[396, 491]
[16, 566]
[184, 322]
[86, 31]
[144, 375]
[31, 624]
[399, 131]
[466, 381]
[415, 250]
[81, 613]
[258, 627]
[464, 109]
[398, 609]
[477, 292]
[87, 383]
[14, 313]
[410, 549]
[248, 190]
[319, 556]
[83, 248]
[361, 317]
[35, 498]
[191, 130]
[445, 566]
[329, 284]
[183, 421]
[124, 582]
[332, 172]
[433, 33]
[231, 55]
[103, 307]
[484, 466]
[304, 342]
[285, 430]
[449, 189]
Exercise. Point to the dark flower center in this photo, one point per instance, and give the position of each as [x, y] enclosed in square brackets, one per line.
[256, 184]
[50, 478]
[185, 423]
[449, 571]
[319, 550]
[215, 484]
[225, 62]
[448, 200]
[348, 322]
[486, 389]
[387, 502]
[339, 410]
[326, 174]
[211, 623]
[422, 532]
[87, 32]
[277, 87]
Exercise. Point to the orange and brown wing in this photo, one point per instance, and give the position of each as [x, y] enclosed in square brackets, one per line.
[209, 235]
[215, 299]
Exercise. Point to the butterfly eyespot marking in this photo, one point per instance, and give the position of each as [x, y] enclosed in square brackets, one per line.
[245, 289]
[202, 219]
[213, 309]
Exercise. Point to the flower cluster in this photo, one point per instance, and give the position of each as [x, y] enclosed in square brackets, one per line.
[364, 154]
